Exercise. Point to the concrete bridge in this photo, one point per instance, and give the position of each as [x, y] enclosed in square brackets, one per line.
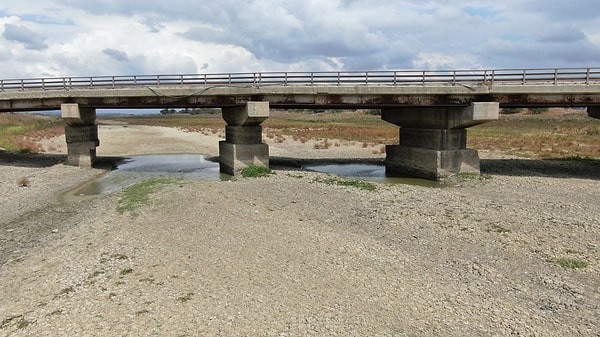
[432, 108]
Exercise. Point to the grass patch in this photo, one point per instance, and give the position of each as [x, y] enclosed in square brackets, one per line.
[185, 298]
[363, 185]
[126, 271]
[138, 195]
[67, 291]
[23, 323]
[23, 182]
[498, 229]
[256, 171]
[571, 263]
[472, 176]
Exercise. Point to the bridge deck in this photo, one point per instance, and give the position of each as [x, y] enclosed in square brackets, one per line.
[373, 89]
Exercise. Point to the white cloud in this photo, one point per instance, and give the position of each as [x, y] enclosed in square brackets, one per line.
[112, 37]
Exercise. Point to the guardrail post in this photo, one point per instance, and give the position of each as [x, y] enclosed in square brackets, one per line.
[555, 76]
[587, 76]
[22, 85]
[524, 76]
[366, 78]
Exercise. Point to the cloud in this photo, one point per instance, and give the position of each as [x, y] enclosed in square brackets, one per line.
[153, 36]
[23, 35]
[116, 54]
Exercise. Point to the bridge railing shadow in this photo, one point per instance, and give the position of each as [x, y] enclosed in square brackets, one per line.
[553, 168]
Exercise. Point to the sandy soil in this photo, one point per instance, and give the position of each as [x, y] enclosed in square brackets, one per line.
[290, 255]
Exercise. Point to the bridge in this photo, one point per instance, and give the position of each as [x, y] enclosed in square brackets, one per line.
[433, 109]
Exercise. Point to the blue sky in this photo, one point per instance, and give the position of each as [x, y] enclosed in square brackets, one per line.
[48, 38]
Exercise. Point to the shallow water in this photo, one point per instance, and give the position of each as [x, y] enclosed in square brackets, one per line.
[370, 172]
[194, 166]
[139, 168]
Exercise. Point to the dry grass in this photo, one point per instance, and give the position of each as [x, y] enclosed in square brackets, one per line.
[552, 135]
[557, 134]
[21, 132]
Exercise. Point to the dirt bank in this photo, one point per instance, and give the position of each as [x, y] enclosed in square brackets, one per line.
[293, 255]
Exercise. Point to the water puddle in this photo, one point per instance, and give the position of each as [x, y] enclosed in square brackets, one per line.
[369, 172]
[139, 168]
[194, 166]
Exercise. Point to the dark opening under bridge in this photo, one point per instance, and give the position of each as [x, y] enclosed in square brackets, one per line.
[432, 108]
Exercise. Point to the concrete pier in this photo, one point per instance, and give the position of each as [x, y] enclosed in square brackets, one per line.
[433, 140]
[243, 144]
[81, 133]
[594, 111]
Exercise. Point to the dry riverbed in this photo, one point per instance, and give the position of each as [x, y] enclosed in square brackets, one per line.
[516, 252]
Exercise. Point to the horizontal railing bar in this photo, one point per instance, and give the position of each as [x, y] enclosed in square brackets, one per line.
[399, 77]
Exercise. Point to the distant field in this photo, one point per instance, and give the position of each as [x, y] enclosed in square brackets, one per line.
[19, 132]
[557, 133]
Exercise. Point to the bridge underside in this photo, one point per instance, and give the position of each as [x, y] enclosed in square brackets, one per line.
[432, 139]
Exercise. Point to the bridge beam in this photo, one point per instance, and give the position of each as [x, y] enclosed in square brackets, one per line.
[433, 140]
[81, 133]
[243, 144]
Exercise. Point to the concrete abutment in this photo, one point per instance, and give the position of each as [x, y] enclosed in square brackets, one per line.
[243, 144]
[433, 140]
[81, 134]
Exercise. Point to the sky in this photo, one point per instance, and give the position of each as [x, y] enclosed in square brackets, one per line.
[56, 38]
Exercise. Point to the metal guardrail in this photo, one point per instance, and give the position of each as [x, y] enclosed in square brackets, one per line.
[553, 76]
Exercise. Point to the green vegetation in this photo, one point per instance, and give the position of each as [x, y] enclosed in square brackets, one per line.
[67, 290]
[571, 263]
[498, 229]
[23, 323]
[126, 271]
[138, 195]
[363, 185]
[469, 176]
[18, 131]
[185, 297]
[256, 171]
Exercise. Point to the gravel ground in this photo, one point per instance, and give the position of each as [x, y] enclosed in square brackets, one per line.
[290, 255]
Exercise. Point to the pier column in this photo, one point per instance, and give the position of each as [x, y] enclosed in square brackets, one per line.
[433, 140]
[81, 133]
[243, 144]
[594, 111]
